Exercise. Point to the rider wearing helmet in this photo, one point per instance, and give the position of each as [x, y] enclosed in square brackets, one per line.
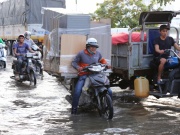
[28, 39]
[85, 58]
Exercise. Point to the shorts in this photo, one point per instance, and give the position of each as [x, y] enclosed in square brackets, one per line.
[154, 64]
[157, 59]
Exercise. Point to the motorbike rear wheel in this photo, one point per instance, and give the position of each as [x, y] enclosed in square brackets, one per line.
[32, 78]
[39, 70]
[4, 64]
[106, 107]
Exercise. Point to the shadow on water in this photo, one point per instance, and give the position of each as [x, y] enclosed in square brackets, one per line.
[22, 104]
[22, 85]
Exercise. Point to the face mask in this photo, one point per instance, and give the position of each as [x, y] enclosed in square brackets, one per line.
[90, 51]
[28, 37]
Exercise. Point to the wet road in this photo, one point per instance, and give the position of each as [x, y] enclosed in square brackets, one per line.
[43, 110]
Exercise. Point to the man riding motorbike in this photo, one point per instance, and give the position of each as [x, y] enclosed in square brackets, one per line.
[85, 58]
[20, 49]
[161, 44]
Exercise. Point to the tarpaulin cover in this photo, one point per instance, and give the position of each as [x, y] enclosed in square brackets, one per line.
[63, 18]
[25, 11]
[122, 38]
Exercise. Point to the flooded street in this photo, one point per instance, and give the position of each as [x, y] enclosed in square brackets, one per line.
[43, 110]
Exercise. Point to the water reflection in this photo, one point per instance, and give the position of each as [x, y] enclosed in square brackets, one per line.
[44, 110]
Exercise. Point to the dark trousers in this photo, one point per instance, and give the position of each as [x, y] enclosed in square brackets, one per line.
[20, 61]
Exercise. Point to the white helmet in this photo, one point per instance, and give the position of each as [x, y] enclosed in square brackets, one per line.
[27, 34]
[92, 42]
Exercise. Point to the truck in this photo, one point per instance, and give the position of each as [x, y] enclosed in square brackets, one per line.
[18, 16]
[132, 59]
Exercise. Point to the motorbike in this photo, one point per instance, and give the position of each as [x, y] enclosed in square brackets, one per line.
[28, 70]
[96, 85]
[2, 56]
[37, 61]
[170, 84]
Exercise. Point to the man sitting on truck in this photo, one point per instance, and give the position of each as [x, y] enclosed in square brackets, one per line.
[20, 49]
[161, 44]
[85, 58]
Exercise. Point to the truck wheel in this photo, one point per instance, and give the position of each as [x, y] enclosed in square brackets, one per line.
[123, 84]
[114, 78]
[131, 82]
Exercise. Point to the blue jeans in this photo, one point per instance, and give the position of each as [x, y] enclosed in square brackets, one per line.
[78, 90]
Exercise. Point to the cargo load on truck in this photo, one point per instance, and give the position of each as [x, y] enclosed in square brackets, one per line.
[123, 38]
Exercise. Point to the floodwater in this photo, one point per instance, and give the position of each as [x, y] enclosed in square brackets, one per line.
[44, 110]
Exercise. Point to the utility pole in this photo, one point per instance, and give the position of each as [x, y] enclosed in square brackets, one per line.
[76, 5]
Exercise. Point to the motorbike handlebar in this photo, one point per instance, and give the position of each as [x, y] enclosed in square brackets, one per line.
[103, 65]
[171, 50]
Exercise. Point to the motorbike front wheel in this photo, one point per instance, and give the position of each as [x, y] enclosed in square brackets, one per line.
[106, 107]
[32, 78]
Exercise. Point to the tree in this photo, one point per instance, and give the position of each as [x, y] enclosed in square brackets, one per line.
[123, 13]
[164, 2]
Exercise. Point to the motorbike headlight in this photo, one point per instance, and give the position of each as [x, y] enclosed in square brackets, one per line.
[97, 68]
[29, 60]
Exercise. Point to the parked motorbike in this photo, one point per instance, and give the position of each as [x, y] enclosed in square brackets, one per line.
[170, 84]
[28, 70]
[96, 85]
[2, 56]
[37, 61]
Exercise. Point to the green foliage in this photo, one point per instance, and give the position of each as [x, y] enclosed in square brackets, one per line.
[164, 2]
[123, 13]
